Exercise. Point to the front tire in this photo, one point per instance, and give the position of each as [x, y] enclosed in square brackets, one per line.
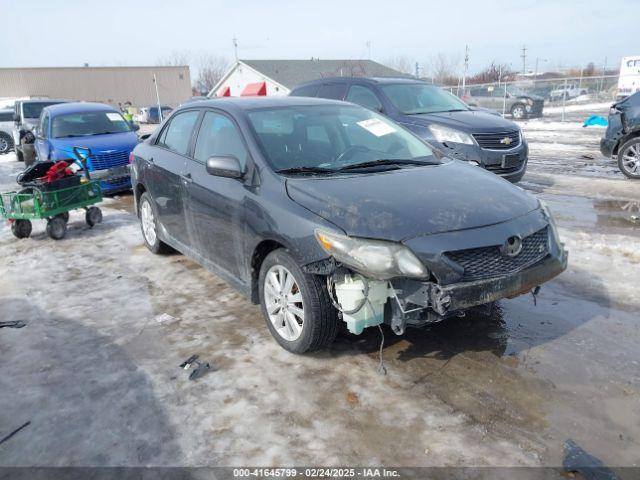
[295, 305]
[6, 143]
[518, 111]
[629, 158]
[149, 225]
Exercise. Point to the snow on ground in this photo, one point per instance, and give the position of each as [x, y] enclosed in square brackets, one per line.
[582, 107]
[96, 372]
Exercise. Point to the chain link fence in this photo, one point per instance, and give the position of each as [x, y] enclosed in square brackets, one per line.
[530, 97]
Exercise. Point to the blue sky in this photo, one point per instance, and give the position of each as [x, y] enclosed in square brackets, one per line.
[71, 32]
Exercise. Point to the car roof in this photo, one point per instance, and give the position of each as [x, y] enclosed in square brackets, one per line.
[42, 100]
[364, 81]
[78, 107]
[251, 103]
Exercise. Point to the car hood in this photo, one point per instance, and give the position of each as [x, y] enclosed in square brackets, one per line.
[469, 121]
[401, 204]
[97, 143]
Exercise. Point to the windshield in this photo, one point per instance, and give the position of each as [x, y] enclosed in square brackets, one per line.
[331, 137]
[88, 123]
[33, 109]
[515, 91]
[412, 99]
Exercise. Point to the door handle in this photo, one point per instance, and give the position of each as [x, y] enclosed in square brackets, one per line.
[187, 178]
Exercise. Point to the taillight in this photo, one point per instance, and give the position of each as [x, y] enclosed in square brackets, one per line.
[131, 157]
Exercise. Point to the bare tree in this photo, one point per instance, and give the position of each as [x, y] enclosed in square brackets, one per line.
[401, 63]
[211, 68]
[443, 69]
[494, 72]
[176, 58]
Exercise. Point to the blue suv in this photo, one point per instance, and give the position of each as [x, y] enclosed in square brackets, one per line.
[476, 135]
[96, 126]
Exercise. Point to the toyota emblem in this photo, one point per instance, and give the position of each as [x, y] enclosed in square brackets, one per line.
[512, 247]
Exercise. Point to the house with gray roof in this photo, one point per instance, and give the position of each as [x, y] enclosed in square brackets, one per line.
[278, 77]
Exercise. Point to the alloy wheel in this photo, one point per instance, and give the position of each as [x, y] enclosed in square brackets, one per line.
[283, 301]
[148, 222]
[631, 160]
[518, 112]
[4, 145]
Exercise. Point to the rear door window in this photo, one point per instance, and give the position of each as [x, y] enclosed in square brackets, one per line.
[307, 91]
[363, 96]
[334, 91]
[177, 134]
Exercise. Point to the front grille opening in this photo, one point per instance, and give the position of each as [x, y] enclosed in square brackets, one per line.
[498, 140]
[488, 262]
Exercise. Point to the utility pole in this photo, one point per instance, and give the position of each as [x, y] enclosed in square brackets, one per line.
[466, 67]
[235, 48]
[417, 70]
[524, 59]
[369, 48]
[155, 82]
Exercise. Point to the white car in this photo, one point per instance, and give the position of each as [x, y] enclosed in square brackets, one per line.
[6, 127]
[569, 92]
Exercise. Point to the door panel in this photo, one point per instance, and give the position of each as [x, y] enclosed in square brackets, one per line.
[215, 204]
[168, 168]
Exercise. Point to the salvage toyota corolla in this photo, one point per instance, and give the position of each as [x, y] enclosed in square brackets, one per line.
[324, 211]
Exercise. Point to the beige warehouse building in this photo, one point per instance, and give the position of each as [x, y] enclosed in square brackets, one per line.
[99, 84]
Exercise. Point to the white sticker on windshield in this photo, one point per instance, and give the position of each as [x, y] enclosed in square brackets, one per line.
[377, 127]
[114, 117]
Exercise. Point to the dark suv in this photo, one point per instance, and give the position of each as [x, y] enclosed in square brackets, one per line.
[462, 132]
[622, 137]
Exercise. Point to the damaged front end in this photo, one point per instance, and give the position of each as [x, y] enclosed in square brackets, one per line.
[373, 282]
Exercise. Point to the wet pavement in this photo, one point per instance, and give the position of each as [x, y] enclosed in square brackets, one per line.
[96, 368]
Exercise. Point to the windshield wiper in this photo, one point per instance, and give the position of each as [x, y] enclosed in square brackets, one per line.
[306, 170]
[386, 161]
[75, 135]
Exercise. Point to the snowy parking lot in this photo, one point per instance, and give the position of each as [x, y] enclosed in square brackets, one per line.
[96, 368]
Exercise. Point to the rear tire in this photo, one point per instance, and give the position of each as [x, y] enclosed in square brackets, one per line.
[147, 213]
[93, 216]
[306, 293]
[518, 111]
[21, 228]
[629, 158]
[56, 228]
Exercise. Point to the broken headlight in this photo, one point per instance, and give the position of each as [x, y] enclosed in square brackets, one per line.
[373, 258]
[552, 223]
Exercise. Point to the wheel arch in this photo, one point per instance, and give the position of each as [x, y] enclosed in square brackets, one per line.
[622, 140]
[137, 193]
[260, 252]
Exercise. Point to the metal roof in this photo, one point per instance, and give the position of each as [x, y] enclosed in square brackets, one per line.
[290, 73]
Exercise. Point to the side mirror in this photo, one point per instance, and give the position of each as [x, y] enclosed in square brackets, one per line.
[135, 127]
[225, 166]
